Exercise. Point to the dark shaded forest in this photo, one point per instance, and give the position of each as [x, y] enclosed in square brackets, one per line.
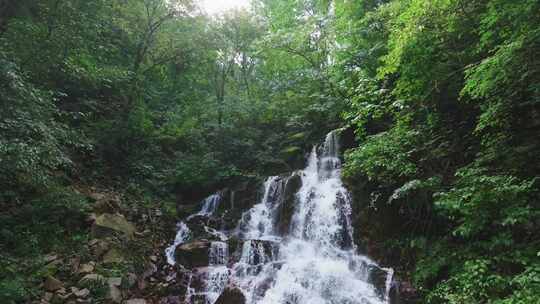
[155, 102]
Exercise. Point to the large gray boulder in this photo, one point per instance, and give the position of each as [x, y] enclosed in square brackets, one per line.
[194, 254]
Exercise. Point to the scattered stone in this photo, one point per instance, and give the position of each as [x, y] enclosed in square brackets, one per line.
[107, 205]
[93, 242]
[136, 301]
[96, 196]
[131, 279]
[114, 281]
[114, 294]
[91, 218]
[170, 300]
[113, 256]
[100, 248]
[52, 284]
[92, 277]
[61, 298]
[153, 258]
[141, 284]
[75, 263]
[86, 268]
[50, 258]
[48, 296]
[82, 293]
[149, 270]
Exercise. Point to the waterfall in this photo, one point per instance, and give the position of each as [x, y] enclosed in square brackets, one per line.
[315, 260]
[210, 205]
[219, 253]
[182, 236]
[320, 264]
[258, 222]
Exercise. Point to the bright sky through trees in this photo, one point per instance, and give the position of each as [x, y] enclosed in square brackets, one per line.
[218, 6]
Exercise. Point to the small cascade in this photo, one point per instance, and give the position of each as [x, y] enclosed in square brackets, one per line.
[258, 222]
[216, 283]
[388, 283]
[219, 253]
[210, 204]
[256, 252]
[182, 235]
[206, 287]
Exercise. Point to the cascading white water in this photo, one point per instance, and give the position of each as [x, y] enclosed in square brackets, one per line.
[218, 273]
[182, 235]
[219, 253]
[316, 262]
[258, 222]
[210, 204]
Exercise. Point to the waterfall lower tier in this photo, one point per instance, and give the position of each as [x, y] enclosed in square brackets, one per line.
[295, 246]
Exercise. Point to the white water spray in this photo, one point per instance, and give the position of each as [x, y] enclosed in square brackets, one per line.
[182, 235]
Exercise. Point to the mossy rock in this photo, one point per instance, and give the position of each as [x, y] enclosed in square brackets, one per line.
[108, 224]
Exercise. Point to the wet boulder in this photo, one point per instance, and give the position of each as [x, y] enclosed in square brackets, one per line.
[287, 205]
[378, 278]
[194, 254]
[235, 249]
[204, 227]
[231, 295]
[245, 194]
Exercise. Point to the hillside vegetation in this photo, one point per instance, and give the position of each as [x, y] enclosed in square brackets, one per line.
[150, 102]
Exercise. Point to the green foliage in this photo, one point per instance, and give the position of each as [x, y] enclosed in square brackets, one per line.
[384, 157]
[481, 203]
[444, 107]
[442, 95]
[33, 142]
[12, 290]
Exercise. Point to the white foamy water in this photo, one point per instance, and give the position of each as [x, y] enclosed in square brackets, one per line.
[317, 261]
[182, 235]
[209, 205]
